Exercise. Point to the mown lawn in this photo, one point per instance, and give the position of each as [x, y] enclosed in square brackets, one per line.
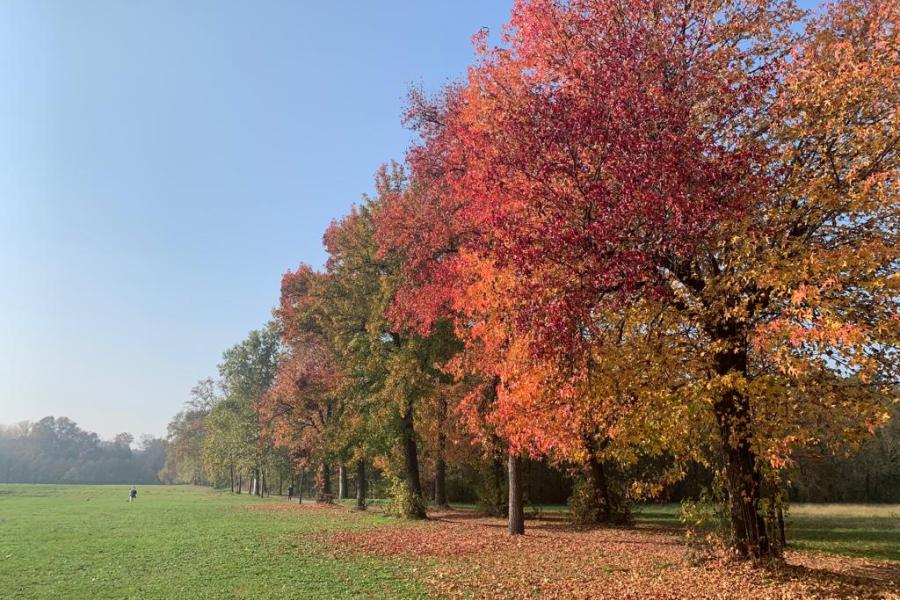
[70, 542]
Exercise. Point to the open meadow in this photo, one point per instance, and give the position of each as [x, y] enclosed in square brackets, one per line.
[189, 542]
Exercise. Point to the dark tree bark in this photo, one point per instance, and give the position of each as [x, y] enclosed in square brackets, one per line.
[497, 503]
[231, 475]
[780, 517]
[597, 479]
[600, 485]
[325, 484]
[240, 483]
[343, 484]
[300, 487]
[732, 411]
[361, 484]
[411, 460]
[516, 522]
[440, 467]
[440, 483]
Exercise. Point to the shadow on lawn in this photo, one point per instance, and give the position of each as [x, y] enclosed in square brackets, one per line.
[554, 523]
[858, 581]
[873, 537]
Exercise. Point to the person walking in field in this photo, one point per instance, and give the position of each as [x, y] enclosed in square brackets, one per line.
[132, 494]
[290, 492]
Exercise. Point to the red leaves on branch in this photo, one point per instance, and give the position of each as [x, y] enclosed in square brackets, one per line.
[594, 151]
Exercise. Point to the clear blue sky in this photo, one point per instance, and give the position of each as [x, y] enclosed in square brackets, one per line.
[163, 163]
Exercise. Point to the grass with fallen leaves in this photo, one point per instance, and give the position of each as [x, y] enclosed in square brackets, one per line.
[186, 542]
[472, 556]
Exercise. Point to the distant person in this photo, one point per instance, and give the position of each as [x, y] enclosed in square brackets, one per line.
[290, 493]
[132, 494]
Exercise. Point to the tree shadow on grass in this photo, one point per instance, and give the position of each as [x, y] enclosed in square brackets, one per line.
[869, 581]
[556, 523]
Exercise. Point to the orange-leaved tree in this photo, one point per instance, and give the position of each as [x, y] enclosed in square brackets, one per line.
[674, 157]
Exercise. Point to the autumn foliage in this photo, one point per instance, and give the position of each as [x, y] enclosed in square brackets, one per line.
[635, 229]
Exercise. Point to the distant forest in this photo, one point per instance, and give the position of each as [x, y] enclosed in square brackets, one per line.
[56, 450]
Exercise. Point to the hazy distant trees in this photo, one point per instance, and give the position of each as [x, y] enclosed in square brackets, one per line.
[218, 437]
[870, 475]
[56, 450]
[247, 370]
[186, 430]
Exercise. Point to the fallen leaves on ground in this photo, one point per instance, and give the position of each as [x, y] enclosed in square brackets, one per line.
[296, 507]
[469, 556]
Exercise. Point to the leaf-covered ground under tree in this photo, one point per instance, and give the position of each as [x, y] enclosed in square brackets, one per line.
[469, 556]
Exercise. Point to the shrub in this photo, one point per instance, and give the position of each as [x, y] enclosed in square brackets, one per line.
[587, 507]
[403, 503]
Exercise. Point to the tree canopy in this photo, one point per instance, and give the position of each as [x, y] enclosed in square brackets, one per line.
[637, 239]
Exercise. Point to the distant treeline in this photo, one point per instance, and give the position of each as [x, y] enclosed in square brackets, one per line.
[56, 450]
[871, 475]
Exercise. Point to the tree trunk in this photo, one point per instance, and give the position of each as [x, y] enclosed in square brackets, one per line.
[440, 483]
[325, 484]
[495, 501]
[411, 461]
[343, 484]
[361, 484]
[440, 467]
[231, 475]
[516, 512]
[300, 487]
[780, 516]
[732, 411]
[600, 486]
[240, 483]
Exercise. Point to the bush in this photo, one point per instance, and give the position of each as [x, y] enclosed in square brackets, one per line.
[403, 503]
[587, 507]
[707, 521]
[492, 492]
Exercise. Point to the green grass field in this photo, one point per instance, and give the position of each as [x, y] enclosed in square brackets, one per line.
[70, 542]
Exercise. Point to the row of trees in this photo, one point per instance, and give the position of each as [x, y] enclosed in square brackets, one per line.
[640, 236]
[56, 450]
[217, 438]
